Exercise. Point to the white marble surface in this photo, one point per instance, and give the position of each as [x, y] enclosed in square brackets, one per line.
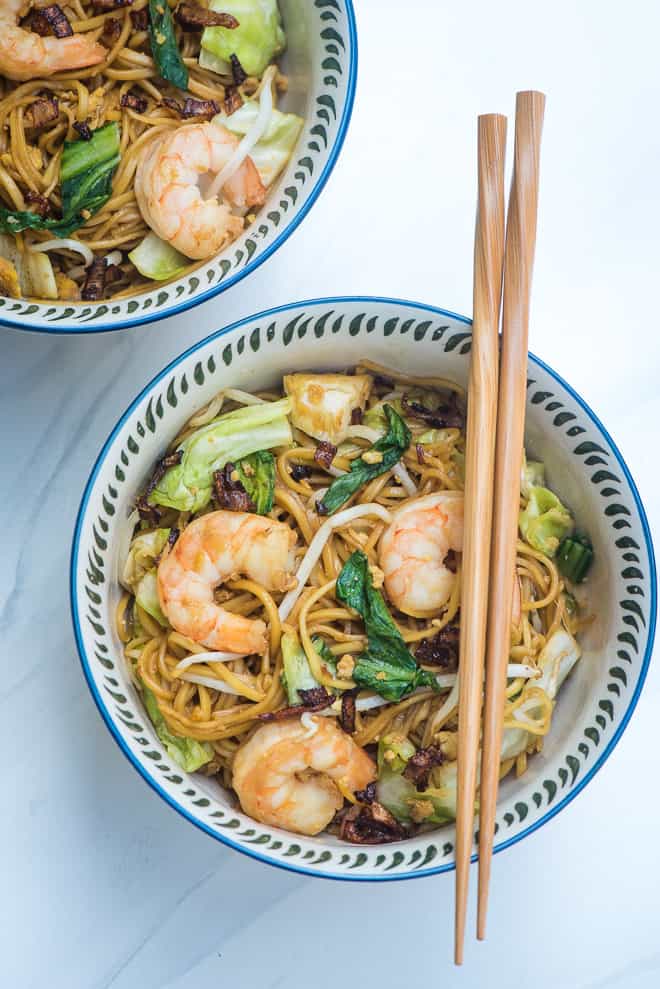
[103, 885]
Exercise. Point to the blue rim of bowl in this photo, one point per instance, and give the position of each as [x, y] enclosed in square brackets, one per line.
[257, 261]
[224, 839]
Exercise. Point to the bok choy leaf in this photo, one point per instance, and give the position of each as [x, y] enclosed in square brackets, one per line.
[86, 172]
[381, 457]
[164, 48]
[386, 666]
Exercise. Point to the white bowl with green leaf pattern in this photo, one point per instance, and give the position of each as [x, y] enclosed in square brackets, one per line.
[583, 466]
[321, 64]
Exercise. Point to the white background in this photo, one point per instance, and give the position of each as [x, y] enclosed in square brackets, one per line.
[106, 886]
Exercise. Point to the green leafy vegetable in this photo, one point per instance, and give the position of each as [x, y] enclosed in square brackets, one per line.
[186, 752]
[232, 436]
[273, 149]
[394, 751]
[297, 673]
[323, 649]
[257, 40]
[86, 172]
[433, 436]
[145, 548]
[376, 418]
[435, 805]
[146, 595]
[545, 521]
[256, 473]
[386, 666]
[155, 258]
[532, 475]
[139, 573]
[574, 557]
[164, 48]
[391, 448]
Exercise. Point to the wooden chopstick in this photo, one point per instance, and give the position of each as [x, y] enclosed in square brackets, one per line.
[479, 460]
[518, 263]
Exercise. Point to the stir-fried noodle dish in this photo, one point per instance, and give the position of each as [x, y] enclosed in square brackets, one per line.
[137, 138]
[292, 596]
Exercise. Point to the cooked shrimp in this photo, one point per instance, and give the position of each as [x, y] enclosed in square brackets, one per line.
[26, 55]
[289, 777]
[414, 548]
[212, 549]
[167, 187]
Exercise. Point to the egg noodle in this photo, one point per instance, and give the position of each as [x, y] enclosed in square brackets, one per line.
[226, 718]
[30, 160]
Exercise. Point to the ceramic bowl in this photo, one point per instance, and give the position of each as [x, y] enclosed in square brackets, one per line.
[321, 63]
[583, 465]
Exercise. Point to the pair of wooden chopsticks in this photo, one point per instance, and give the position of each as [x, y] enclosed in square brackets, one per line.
[495, 427]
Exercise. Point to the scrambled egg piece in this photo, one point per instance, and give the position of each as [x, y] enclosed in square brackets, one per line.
[66, 287]
[9, 281]
[322, 404]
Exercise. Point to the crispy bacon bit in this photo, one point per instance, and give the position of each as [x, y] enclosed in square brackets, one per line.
[35, 21]
[133, 101]
[238, 73]
[85, 132]
[347, 717]
[147, 512]
[42, 112]
[229, 491]
[370, 824]
[368, 795]
[38, 204]
[103, 6]
[441, 650]
[316, 699]
[203, 109]
[199, 108]
[300, 471]
[325, 454]
[57, 21]
[191, 17]
[446, 416]
[163, 465]
[356, 417]
[113, 273]
[94, 286]
[233, 100]
[111, 30]
[419, 450]
[451, 561]
[419, 766]
[140, 19]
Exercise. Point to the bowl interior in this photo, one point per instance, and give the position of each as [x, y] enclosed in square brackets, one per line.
[582, 464]
[321, 65]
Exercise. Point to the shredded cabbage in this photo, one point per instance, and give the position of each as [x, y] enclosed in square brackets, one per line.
[258, 39]
[273, 149]
[232, 436]
[156, 259]
[186, 752]
[545, 521]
